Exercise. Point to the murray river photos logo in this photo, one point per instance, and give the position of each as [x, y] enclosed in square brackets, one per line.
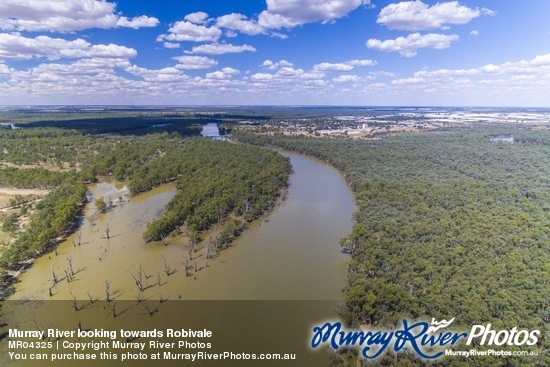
[425, 339]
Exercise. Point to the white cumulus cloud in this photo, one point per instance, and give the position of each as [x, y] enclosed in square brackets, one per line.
[261, 77]
[65, 16]
[15, 46]
[199, 17]
[137, 22]
[224, 74]
[346, 79]
[343, 66]
[4, 69]
[289, 72]
[165, 75]
[362, 62]
[187, 31]
[309, 11]
[239, 22]
[195, 62]
[408, 46]
[510, 72]
[276, 65]
[220, 48]
[171, 45]
[416, 15]
[326, 66]
[288, 14]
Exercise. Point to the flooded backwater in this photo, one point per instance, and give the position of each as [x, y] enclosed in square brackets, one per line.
[291, 254]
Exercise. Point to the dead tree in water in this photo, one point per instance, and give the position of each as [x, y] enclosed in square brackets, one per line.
[148, 309]
[70, 262]
[54, 276]
[186, 266]
[143, 273]
[73, 301]
[107, 230]
[79, 239]
[167, 269]
[137, 279]
[107, 287]
[90, 297]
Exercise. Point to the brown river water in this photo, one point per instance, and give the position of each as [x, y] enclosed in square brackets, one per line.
[290, 255]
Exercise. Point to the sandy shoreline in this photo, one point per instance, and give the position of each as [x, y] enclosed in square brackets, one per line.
[16, 191]
[8, 193]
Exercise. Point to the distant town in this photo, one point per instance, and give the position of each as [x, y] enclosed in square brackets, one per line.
[314, 121]
[375, 124]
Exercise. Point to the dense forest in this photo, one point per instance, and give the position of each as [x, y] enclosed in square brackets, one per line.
[222, 179]
[449, 224]
[215, 179]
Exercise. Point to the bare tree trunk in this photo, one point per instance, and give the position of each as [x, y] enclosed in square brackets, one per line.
[107, 230]
[167, 269]
[73, 301]
[54, 276]
[186, 266]
[90, 297]
[70, 262]
[107, 287]
[137, 280]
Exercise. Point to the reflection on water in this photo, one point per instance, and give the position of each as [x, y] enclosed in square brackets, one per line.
[212, 131]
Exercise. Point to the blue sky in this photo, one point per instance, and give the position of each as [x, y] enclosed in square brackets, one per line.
[270, 52]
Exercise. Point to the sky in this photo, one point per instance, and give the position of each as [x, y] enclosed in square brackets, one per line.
[275, 52]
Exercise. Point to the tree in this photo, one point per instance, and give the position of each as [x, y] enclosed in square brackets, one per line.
[100, 205]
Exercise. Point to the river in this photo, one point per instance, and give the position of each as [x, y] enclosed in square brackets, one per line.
[291, 254]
